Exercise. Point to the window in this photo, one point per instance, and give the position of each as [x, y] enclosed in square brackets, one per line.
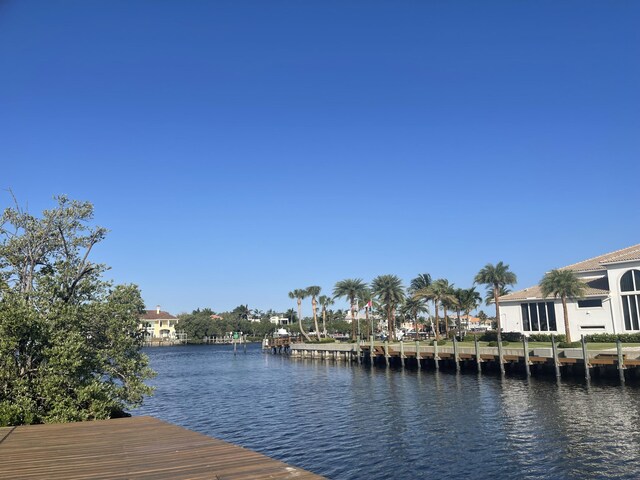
[538, 317]
[590, 303]
[630, 285]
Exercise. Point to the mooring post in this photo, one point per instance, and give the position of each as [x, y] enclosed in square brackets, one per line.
[358, 351]
[435, 354]
[554, 350]
[455, 354]
[386, 352]
[402, 353]
[525, 346]
[244, 343]
[500, 356]
[478, 359]
[371, 357]
[418, 354]
[585, 358]
[620, 360]
[235, 346]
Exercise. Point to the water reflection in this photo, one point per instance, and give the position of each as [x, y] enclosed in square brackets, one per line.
[348, 421]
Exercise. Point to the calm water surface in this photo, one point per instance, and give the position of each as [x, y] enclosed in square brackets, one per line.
[351, 422]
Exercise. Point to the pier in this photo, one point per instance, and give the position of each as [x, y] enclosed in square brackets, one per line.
[620, 361]
[130, 448]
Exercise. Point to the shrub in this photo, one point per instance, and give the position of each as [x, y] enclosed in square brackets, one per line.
[495, 343]
[613, 337]
[506, 336]
[546, 337]
[439, 343]
[569, 344]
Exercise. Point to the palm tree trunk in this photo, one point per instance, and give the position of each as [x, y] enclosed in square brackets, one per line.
[460, 325]
[300, 321]
[354, 335]
[446, 322]
[369, 326]
[415, 324]
[315, 317]
[437, 321]
[324, 321]
[496, 291]
[566, 319]
[390, 324]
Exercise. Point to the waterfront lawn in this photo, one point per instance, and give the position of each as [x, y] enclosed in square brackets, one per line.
[590, 346]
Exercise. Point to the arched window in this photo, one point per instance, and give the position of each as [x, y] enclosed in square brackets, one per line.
[630, 288]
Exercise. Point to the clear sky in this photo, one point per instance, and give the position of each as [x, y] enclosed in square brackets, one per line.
[240, 149]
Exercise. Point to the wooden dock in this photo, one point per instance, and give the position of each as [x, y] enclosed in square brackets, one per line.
[130, 448]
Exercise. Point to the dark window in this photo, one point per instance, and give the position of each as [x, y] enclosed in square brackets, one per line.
[551, 314]
[525, 317]
[543, 317]
[633, 303]
[625, 309]
[590, 303]
[533, 311]
[627, 281]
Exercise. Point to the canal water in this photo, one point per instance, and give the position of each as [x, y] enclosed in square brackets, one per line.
[354, 422]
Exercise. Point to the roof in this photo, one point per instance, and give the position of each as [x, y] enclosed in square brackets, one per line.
[596, 287]
[598, 263]
[154, 315]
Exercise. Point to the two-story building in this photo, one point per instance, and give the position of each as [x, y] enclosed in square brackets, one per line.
[610, 304]
[158, 324]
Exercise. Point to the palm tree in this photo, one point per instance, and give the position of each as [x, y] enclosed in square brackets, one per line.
[496, 276]
[366, 299]
[390, 293]
[414, 307]
[313, 292]
[469, 300]
[299, 294]
[490, 297]
[564, 284]
[350, 289]
[420, 282]
[447, 300]
[439, 291]
[325, 302]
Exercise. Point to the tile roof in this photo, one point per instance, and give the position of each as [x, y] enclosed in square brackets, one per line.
[595, 287]
[154, 315]
[599, 262]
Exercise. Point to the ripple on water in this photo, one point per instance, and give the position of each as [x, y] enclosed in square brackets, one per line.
[350, 422]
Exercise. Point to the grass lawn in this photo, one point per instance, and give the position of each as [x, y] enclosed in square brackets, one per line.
[590, 346]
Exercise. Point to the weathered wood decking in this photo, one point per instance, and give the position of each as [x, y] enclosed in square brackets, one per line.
[131, 448]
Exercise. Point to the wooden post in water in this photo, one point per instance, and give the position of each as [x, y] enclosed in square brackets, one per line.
[235, 347]
[455, 354]
[525, 346]
[620, 360]
[435, 354]
[371, 353]
[402, 353]
[554, 350]
[386, 352]
[500, 356]
[244, 343]
[358, 351]
[478, 359]
[585, 358]
[418, 354]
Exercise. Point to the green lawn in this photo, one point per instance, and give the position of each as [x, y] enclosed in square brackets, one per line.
[590, 346]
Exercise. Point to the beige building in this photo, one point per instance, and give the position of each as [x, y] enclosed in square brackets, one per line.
[158, 324]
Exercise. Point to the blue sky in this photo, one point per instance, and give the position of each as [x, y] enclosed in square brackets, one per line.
[240, 149]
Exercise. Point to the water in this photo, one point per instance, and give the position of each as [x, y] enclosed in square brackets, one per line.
[351, 422]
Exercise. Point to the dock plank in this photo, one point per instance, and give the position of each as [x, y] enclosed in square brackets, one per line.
[132, 448]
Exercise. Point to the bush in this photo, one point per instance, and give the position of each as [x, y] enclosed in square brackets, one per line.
[439, 343]
[495, 344]
[569, 344]
[506, 336]
[613, 337]
[545, 337]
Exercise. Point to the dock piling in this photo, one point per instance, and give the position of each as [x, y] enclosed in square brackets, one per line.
[500, 356]
[478, 359]
[527, 363]
[418, 354]
[554, 350]
[435, 354]
[620, 360]
[455, 353]
[402, 353]
[585, 358]
[386, 352]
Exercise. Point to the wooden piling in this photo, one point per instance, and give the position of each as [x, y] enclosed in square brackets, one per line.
[435, 354]
[554, 350]
[620, 360]
[527, 363]
[402, 353]
[386, 352]
[478, 359]
[418, 355]
[585, 358]
[455, 354]
[500, 356]
[358, 351]
[371, 351]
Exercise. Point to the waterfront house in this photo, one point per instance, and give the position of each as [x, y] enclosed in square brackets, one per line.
[158, 324]
[610, 304]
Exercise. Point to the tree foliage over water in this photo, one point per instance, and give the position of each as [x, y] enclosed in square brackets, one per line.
[69, 340]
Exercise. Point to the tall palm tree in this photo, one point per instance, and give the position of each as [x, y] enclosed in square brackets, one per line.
[350, 288]
[300, 294]
[414, 307]
[420, 282]
[564, 284]
[313, 292]
[496, 276]
[469, 300]
[390, 292]
[325, 302]
[447, 299]
[490, 297]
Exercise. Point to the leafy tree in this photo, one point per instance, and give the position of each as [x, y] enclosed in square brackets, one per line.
[496, 276]
[447, 299]
[350, 288]
[69, 340]
[413, 307]
[564, 284]
[313, 292]
[300, 294]
[421, 282]
[390, 293]
[490, 296]
[325, 301]
[469, 300]
[439, 291]
[199, 324]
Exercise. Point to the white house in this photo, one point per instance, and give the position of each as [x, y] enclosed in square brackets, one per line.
[610, 304]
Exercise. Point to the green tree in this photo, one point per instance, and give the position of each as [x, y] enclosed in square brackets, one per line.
[497, 276]
[439, 291]
[469, 300]
[413, 307]
[300, 294]
[366, 299]
[490, 296]
[390, 293]
[325, 301]
[350, 288]
[421, 282]
[69, 340]
[564, 284]
[313, 292]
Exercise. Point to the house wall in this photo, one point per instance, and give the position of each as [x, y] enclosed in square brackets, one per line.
[615, 272]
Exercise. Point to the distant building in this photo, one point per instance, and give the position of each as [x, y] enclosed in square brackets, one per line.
[611, 303]
[158, 324]
[278, 320]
